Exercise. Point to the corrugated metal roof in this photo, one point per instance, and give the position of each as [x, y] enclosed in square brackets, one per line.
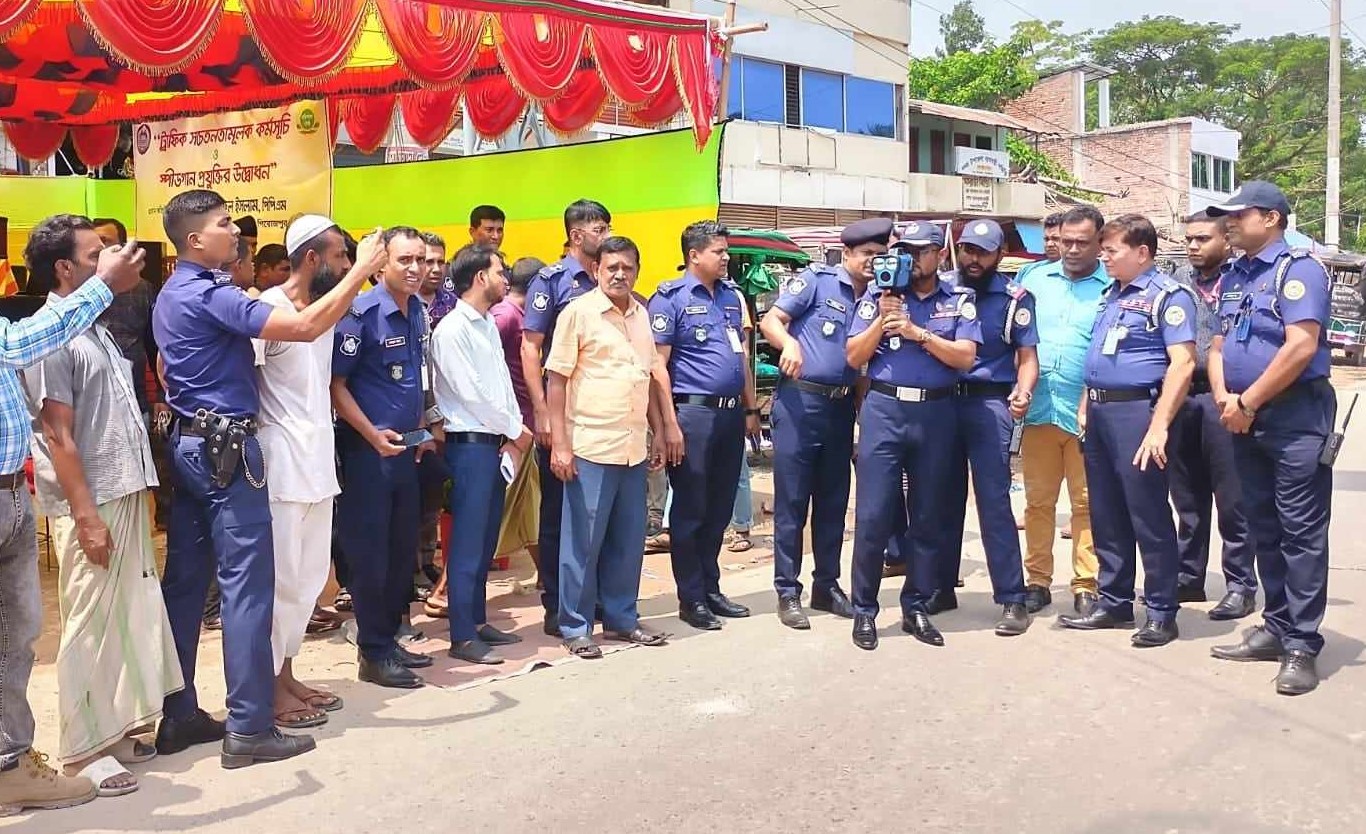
[968, 114]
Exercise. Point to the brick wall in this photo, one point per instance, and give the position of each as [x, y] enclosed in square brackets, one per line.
[1051, 104]
[1151, 166]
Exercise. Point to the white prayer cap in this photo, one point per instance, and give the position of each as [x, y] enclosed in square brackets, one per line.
[304, 229]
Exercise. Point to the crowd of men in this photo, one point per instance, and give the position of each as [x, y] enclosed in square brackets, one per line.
[290, 393]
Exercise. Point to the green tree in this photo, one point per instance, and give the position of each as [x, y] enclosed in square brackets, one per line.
[985, 79]
[963, 30]
[1046, 45]
[1166, 66]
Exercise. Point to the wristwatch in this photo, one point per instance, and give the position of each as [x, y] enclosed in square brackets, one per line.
[1247, 412]
[751, 412]
[923, 337]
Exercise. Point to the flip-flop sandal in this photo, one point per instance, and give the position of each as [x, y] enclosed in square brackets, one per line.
[640, 637]
[342, 602]
[583, 647]
[325, 701]
[307, 719]
[102, 770]
[321, 626]
[131, 751]
[740, 543]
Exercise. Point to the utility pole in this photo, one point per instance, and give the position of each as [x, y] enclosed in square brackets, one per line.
[1333, 197]
[729, 30]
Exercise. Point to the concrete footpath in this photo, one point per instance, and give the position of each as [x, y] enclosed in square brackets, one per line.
[762, 728]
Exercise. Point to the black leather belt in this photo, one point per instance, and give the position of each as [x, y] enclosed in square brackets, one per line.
[1298, 390]
[475, 437]
[1118, 395]
[709, 402]
[12, 481]
[834, 392]
[985, 389]
[912, 395]
[186, 425]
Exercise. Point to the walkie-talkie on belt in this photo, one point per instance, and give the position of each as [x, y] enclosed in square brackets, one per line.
[1016, 436]
[1333, 444]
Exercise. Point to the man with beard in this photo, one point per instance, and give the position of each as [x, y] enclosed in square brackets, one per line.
[992, 395]
[587, 224]
[377, 369]
[297, 439]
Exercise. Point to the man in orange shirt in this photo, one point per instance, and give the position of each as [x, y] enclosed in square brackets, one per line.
[602, 402]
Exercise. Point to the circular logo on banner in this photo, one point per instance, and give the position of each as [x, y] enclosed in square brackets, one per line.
[144, 139]
[968, 310]
[1294, 290]
[1174, 316]
[1022, 317]
[795, 286]
[350, 345]
[541, 301]
[660, 323]
[980, 229]
[867, 310]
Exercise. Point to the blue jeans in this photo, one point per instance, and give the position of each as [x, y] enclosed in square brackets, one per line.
[477, 492]
[601, 547]
[21, 617]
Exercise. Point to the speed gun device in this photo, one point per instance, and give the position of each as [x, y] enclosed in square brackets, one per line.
[892, 272]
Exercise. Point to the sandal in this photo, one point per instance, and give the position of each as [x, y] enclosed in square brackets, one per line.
[741, 542]
[435, 610]
[583, 647]
[641, 636]
[342, 602]
[325, 701]
[131, 751]
[322, 621]
[306, 716]
[105, 769]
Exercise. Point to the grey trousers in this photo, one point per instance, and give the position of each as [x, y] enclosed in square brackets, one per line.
[20, 620]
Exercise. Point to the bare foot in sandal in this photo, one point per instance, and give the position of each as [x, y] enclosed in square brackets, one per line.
[293, 714]
[741, 542]
[110, 777]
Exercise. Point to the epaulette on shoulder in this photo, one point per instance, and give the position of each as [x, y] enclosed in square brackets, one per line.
[552, 270]
[668, 287]
[823, 269]
[1016, 290]
[959, 289]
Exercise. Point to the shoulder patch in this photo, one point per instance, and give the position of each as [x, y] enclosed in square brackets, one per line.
[968, 310]
[350, 344]
[1022, 317]
[660, 323]
[1175, 316]
[540, 301]
[1294, 289]
[796, 285]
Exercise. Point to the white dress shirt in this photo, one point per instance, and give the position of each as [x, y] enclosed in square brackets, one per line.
[473, 387]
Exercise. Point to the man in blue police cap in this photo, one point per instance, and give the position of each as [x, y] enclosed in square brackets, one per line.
[915, 340]
[992, 395]
[697, 322]
[1269, 371]
[813, 419]
[220, 519]
[1138, 370]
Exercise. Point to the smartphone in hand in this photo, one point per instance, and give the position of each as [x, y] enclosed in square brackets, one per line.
[416, 438]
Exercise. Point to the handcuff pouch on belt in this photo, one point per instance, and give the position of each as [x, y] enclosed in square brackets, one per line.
[225, 446]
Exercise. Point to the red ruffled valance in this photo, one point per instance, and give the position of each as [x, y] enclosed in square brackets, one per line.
[35, 141]
[430, 115]
[95, 144]
[367, 120]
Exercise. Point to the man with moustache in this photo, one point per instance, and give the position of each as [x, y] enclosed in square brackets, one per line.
[486, 226]
[377, 391]
[437, 301]
[1202, 472]
[297, 439]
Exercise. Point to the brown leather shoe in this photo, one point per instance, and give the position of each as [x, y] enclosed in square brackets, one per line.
[31, 783]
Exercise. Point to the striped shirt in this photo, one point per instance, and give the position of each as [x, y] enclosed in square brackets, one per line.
[24, 343]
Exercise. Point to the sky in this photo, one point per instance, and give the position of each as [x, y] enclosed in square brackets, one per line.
[1255, 18]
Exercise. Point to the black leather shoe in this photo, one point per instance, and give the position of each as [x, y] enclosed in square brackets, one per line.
[1084, 603]
[271, 746]
[1098, 618]
[474, 651]
[1155, 633]
[790, 613]
[1299, 673]
[865, 631]
[721, 606]
[1234, 606]
[411, 660]
[174, 735]
[941, 601]
[1014, 620]
[498, 637]
[1037, 598]
[1190, 594]
[551, 624]
[892, 569]
[918, 625]
[1258, 644]
[833, 601]
[388, 672]
[697, 615]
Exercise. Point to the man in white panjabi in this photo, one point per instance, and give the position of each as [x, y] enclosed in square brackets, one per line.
[297, 442]
[92, 466]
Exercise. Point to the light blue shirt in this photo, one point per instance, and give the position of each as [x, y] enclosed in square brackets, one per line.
[1065, 310]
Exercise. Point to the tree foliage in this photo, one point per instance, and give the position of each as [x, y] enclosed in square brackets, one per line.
[985, 79]
[963, 30]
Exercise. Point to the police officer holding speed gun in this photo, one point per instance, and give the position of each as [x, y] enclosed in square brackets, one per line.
[1137, 373]
[813, 419]
[1269, 371]
[993, 395]
[916, 333]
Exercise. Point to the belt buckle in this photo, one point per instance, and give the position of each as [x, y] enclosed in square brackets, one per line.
[1092, 395]
[839, 392]
[729, 402]
[910, 395]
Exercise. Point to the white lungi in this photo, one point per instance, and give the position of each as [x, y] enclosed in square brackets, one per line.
[303, 557]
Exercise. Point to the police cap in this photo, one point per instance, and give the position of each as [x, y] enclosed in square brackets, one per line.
[918, 234]
[872, 230]
[1258, 194]
[984, 234]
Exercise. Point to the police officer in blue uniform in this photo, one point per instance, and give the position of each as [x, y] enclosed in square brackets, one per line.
[697, 324]
[378, 365]
[586, 225]
[220, 519]
[813, 419]
[915, 345]
[992, 395]
[1269, 371]
[1142, 352]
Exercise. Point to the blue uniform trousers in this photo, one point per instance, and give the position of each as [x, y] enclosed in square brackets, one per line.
[703, 496]
[226, 530]
[895, 439]
[377, 518]
[603, 547]
[1129, 510]
[813, 442]
[1203, 475]
[477, 492]
[548, 534]
[983, 441]
[1287, 496]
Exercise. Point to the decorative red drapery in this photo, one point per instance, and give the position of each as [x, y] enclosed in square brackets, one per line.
[35, 140]
[95, 144]
[77, 61]
[429, 114]
[367, 120]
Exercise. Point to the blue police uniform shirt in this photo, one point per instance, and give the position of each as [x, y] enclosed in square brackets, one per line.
[1005, 311]
[948, 312]
[379, 352]
[1248, 289]
[549, 292]
[204, 325]
[704, 332]
[821, 303]
[1129, 340]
